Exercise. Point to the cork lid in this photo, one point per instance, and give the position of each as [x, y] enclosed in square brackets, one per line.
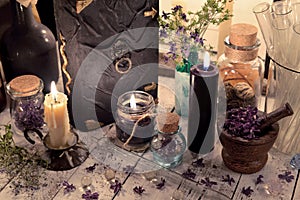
[25, 85]
[168, 122]
[243, 34]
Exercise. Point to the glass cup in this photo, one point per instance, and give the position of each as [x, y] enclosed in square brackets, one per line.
[281, 8]
[264, 18]
[282, 31]
[293, 57]
[285, 85]
[296, 12]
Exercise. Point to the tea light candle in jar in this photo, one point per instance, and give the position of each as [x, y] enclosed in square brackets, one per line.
[56, 117]
[135, 120]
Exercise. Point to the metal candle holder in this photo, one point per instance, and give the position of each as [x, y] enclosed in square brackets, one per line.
[62, 158]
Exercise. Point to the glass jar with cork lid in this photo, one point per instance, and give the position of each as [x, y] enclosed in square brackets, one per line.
[240, 67]
[26, 108]
[169, 144]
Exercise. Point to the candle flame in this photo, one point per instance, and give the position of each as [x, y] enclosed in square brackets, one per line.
[132, 101]
[206, 61]
[53, 91]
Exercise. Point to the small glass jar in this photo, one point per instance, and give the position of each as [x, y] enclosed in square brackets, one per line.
[135, 118]
[27, 99]
[240, 74]
[168, 148]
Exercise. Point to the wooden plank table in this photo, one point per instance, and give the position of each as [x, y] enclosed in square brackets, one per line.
[138, 169]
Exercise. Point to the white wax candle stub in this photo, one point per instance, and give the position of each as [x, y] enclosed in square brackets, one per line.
[206, 60]
[57, 118]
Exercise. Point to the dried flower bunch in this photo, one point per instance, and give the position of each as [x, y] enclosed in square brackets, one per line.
[30, 115]
[16, 160]
[184, 32]
[243, 122]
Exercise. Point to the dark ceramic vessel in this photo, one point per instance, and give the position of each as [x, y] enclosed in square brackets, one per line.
[247, 156]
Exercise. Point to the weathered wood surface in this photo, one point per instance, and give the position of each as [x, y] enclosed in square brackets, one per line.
[297, 191]
[139, 169]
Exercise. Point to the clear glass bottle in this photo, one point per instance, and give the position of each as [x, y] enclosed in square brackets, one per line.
[168, 148]
[28, 47]
[240, 75]
[26, 109]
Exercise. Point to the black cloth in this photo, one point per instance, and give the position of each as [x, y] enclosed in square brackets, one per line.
[105, 32]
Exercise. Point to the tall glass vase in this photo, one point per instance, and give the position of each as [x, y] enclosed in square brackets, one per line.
[182, 81]
[28, 47]
[284, 87]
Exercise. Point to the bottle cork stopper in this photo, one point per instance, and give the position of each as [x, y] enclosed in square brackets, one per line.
[168, 122]
[25, 83]
[243, 34]
[240, 55]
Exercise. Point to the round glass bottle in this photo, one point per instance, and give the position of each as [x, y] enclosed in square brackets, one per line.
[240, 70]
[26, 109]
[135, 118]
[168, 148]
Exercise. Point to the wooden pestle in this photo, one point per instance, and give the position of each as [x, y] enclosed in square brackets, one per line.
[276, 115]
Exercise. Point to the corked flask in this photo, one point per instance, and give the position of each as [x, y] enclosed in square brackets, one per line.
[28, 47]
[169, 144]
[26, 103]
[249, 153]
[240, 67]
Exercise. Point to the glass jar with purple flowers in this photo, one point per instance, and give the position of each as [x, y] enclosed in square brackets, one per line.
[26, 108]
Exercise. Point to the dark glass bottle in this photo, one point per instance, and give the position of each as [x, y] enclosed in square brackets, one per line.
[2, 95]
[28, 47]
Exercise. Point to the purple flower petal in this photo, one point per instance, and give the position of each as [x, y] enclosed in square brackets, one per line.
[207, 182]
[189, 174]
[198, 163]
[228, 179]
[161, 184]
[139, 190]
[116, 186]
[247, 191]
[91, 169]
[259, 180]
[90, 196]
[68, 187]
[176, 8]
[287, 176]
[165, 15]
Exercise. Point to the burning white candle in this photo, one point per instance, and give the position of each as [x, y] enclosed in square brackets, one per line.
[132, 102]
[56, 117]
[206, 61]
